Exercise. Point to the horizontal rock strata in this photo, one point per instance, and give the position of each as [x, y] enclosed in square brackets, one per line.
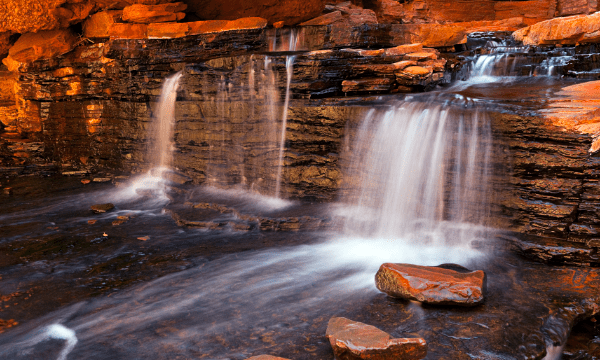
[567, 31]
[431, 285]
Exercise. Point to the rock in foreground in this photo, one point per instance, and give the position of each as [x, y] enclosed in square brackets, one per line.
[102, 208]
[431, 284]
[354, 340]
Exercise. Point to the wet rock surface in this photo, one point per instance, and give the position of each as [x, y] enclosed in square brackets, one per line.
[529, 304]
[352, 340]
[439, 285]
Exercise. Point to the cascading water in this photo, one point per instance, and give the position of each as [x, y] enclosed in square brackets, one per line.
[420, 174]
[289, 67]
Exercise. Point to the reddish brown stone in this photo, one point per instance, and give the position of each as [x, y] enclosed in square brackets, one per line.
[438, 35]
[532, 11]
[292, 12]
[326, 19]
[214, 26]
[352, 340]
[574, 7]
[4, 43]
[368, 85]
[403, 49]
[431, 285]
[128, 31]
[423, 55]
[167, 30]
[266, 357]
[278, 25]
[146, 14]
[42, 45]
[569, 30]
[99, 24]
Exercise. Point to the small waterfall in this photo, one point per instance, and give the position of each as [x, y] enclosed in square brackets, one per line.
[289, 67]
[419, 172]
[160, 150]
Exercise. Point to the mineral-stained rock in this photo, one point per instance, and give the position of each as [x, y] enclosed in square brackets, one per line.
[266, 357]
[431, 285]
[99, 24]
[325, 19]
[574, 7]
[292, 12]
[367, 85]
[532, 11]
[215, 26]
[102, 208]
[352, 340]
[169, 30]
[146, 14]
[128, 31]
[567, 30]
[403, 49]
[41, 45]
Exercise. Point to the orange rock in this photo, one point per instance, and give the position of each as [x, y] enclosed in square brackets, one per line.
[42, 45]
[146, 14]
[422, 56]
[511, 24]
[214, 26]
[167, 30]
[569, 30]
[574, 7]
[368, 85]
[279, 24]
[23, 16]
[4, 43]
[292, 12]
[417, 71]
[532, 11]
[325, 19]
[400, 65]
[403, 49]
[431, 285]
[438, 35]
[266, 357]
[352, 340]
[128, 31]
[99, 24]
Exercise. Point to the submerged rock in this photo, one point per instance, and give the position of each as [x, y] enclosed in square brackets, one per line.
[102, 208]
[440, 285]
[354, 340]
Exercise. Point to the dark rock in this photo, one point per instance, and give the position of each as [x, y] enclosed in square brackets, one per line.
[102, 208]
[431, 285]
[352, 340]
[266, 357]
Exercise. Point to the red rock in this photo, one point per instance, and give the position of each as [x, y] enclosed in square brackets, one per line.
[352, 340]
[128, 31]
[99, 24]
[214, 26]
[36, 46]
[325, 19]
[403, 49]
[292, 12]
[423, 55]
[368, 85]
[167, 30]
[532, 11]
[574, 7]
[436, 65]
[278, 25]
[4, 43]
[569, 30]
[431, 285]
[146, 14]
[511, 24]
[437, 35]
[266, 357]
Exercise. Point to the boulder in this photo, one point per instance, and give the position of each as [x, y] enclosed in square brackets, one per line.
[36, 46]
[438, 285]
[291, 12]
[215, 26]
[352, 340]
[146, 14]
[102, 208]
[569, 30]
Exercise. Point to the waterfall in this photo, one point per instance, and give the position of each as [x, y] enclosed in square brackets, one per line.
[289, 68]
[163, 122]
[419, 171]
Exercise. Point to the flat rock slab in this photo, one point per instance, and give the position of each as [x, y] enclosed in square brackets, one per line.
[102, 208]
[354, 340]
[431, 284]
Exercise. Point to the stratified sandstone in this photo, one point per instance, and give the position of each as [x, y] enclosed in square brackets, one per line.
[431, 285]
[100, 24]
[352, 340]
[569, 30]
[167, 30]
[146, 14]
[42, 45]
[215, 26]
[291, 12]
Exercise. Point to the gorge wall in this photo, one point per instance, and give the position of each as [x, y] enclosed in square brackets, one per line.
[79, 81]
